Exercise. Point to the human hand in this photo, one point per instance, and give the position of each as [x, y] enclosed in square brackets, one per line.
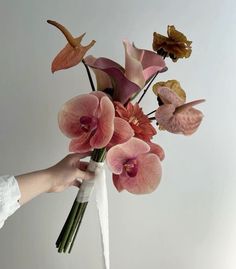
[70, 171]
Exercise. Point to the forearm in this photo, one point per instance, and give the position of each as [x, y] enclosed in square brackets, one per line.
[32, 184]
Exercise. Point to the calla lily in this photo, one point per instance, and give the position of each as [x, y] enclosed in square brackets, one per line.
[134, 168]
[175, 116]
[89, 120]
[140, 66]
[73, 53]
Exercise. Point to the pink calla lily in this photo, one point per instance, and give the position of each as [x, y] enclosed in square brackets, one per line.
[140, 66]
[134, 168]
[175, 116]
[89, 120]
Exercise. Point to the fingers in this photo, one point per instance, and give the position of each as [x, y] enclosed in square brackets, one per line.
[77, 183]
[76, 156]
[84, 175]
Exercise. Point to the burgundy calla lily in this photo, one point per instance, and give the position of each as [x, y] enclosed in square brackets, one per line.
[140, 66]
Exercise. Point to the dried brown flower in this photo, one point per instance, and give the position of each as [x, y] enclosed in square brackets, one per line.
[174, 46]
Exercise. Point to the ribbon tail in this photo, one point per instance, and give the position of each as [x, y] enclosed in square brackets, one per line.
[102, 206]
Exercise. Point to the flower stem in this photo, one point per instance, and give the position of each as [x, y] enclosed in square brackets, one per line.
[149, 84]
[151, 112]
[152, 118]
[89, 75]
[70, 229]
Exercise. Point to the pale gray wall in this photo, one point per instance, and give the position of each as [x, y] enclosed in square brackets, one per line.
[189, 222]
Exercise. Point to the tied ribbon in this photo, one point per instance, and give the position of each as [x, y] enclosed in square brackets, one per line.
[99, 183]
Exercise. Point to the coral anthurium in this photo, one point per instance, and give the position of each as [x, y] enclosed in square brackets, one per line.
[134, 168]
[73, 53]
[176, 116]
[140, 66]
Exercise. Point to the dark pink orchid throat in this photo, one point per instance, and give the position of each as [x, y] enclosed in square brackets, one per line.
[88, 123]
[131, 167]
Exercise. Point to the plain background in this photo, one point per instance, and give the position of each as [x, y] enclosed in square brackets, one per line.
[189, 221]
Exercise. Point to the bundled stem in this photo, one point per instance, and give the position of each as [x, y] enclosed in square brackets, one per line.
[70, 229]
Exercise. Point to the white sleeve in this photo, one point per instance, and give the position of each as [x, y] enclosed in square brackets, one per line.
[9, 196]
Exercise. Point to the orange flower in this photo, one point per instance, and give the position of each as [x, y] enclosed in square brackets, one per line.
[139, 122]
[174, 46]
[73, 53]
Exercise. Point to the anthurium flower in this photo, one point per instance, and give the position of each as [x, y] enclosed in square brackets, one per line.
[73, 53]
[89, 120]
[175, 46]
[176, 116]
[139, 122]
[134, 168]
[140, 66]
[173, 85]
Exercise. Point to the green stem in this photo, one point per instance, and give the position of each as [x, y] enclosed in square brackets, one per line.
[68, 228]
[83, 207]
[65, 224]
[75, 223]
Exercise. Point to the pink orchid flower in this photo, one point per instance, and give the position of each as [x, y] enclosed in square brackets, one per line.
[89, 119]
[175, 116]
[140, 66]
[134, 168]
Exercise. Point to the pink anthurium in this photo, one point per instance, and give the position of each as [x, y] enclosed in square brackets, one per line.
[134, 168]
[89, 120]
[72, 53]
[140, 66]
[175, 116]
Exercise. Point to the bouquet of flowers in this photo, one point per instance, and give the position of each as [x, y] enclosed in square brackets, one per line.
[110, 123]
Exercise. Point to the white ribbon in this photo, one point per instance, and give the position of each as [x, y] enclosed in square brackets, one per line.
[99, 182]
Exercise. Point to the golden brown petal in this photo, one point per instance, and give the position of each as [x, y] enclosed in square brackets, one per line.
[173, 85]
[174, 46]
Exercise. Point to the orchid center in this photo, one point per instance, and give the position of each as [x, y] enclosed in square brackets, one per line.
[88, 123]
[131, 167]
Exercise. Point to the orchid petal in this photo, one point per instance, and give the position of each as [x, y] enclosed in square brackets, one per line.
[121, 152]
[156, 149]
[69, 115]
[81, 144]
[105, 127]
[117, 183]
[122, 132]
[147, 178]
